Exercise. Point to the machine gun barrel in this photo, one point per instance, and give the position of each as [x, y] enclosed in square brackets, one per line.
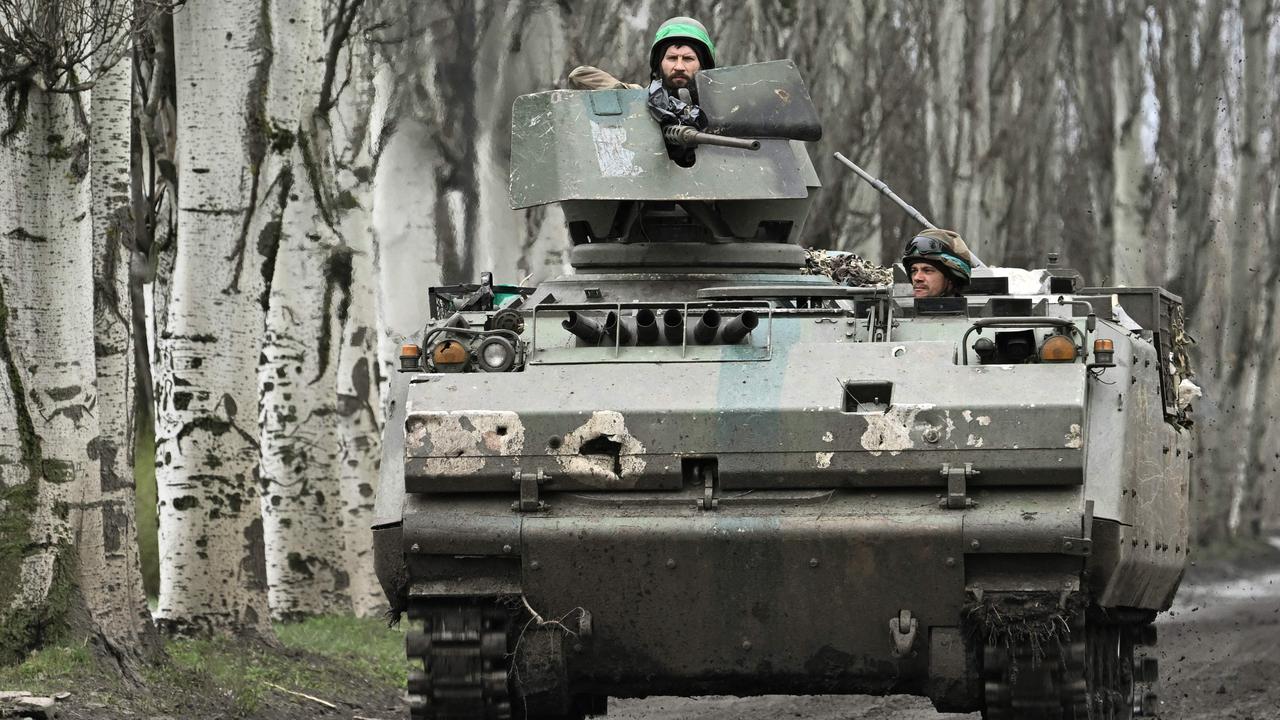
[683, 136]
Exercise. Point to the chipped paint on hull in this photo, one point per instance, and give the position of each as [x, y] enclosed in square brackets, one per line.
[1074, 438]
[606, 470]
[614, 158]
[461, 441]
[891, 430]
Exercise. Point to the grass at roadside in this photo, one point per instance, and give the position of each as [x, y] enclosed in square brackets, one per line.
[353, 661]
[53, 670]
[373, 649]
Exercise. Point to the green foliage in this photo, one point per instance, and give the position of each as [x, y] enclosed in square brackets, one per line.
[372, 649]
[50, 670]
[144, 476]
[360, 649]
[237, 672]
[329, 657]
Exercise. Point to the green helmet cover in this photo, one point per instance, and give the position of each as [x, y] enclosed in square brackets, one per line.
[682, 28]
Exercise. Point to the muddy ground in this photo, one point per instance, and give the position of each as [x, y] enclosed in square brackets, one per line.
[1219, 650]
[1219, 655]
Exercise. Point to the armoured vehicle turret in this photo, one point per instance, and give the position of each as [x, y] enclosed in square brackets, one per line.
[688, 467]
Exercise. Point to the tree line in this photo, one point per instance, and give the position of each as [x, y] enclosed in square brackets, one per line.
[219, 220]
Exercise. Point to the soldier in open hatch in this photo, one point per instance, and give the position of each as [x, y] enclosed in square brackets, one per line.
[681, 47]
[938, 263]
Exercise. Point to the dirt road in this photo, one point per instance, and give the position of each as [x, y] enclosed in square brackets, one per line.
[1219, 655]
[1220, 650]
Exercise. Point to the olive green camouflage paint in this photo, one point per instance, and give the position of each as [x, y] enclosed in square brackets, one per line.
[749, 518]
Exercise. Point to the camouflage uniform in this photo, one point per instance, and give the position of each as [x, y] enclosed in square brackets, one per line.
[585, 77]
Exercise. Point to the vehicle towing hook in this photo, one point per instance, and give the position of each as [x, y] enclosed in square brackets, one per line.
[903, 629]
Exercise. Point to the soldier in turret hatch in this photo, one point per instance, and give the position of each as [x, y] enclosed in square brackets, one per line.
[938, 263]
[681, 47]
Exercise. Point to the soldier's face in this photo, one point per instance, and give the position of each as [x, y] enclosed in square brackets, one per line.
[928, 281]
[679, 65]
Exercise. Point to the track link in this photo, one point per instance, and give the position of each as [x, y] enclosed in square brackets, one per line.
[458, 653]
[1099, 670]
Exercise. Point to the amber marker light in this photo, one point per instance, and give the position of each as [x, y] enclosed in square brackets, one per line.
[410, 357]
[1104, 351]
[1057, 348]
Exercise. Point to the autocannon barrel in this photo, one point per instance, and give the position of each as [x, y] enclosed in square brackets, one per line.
[684, 136]
[584, 327]
[737, 328]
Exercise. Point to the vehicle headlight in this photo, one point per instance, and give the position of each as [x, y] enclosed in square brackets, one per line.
[449, 356]
[496, 354]
[1057, 348]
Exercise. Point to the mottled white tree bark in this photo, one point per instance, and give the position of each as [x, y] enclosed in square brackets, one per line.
[1248, 294]
[211, 555]
[359, 429]
[110, 568]
[516, 243]
[358, 409]
[948, 123]
[845, 70]
[47, 391]
[1129, 168]
[306, 573]
[66, 391]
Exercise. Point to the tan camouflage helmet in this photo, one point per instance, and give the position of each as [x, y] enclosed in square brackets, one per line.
[944, 249]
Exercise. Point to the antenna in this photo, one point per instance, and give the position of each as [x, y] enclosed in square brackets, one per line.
[879, 185]
[920, 218]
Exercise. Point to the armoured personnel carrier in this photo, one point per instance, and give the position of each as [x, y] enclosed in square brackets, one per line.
[690, 468]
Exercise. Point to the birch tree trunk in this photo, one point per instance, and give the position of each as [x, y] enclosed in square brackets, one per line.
[46, 326]
[110, 567]
[207, 450]
[1129, 243]
[847, 214]
[359, 421]
[67, 511]
[67, 533]
[359, 410]
[525, 45]
[306, 573]
[1189, 100]
[948, 123]
[1244, 379]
